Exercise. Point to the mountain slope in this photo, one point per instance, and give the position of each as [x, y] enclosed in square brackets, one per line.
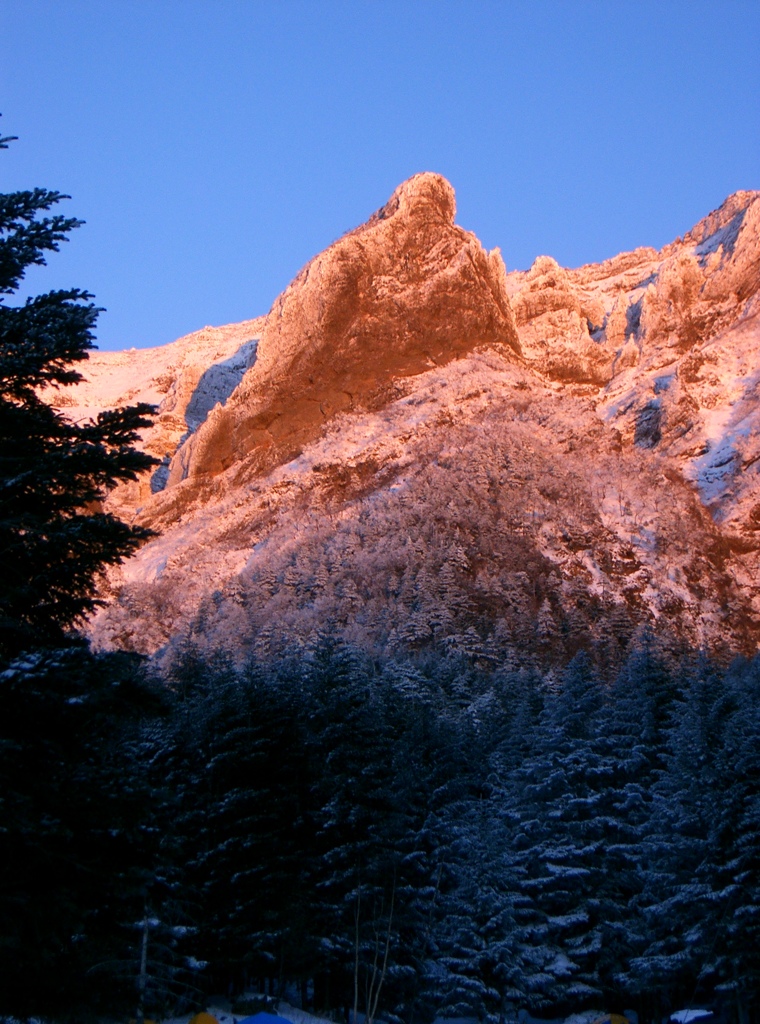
[417, 449]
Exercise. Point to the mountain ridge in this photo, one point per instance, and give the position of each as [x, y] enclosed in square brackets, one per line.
[605, 421]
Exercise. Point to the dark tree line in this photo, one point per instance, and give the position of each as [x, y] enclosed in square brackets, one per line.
[513, 843]
[413, 839]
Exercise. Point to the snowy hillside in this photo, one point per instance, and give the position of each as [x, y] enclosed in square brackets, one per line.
[421, 449]
[184, 379]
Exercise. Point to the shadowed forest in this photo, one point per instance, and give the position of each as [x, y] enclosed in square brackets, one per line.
[427, 837]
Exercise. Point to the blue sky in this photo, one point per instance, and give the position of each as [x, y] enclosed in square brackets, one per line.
[214, 146]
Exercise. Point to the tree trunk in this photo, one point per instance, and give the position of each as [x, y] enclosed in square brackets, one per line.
[142, 979]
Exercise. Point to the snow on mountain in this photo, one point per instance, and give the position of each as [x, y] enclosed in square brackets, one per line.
[416, 448]
[185, 379]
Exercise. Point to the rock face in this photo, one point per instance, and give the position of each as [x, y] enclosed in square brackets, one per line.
[590, 324]
[185, 379]
[418, 449]
[407, 291]
[670, 339]
[555, 319]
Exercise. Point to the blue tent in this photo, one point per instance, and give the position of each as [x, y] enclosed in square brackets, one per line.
[263, 1018]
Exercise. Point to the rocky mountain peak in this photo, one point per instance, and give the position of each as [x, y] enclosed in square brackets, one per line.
[426, 197]
[730, 214]
[407, 291]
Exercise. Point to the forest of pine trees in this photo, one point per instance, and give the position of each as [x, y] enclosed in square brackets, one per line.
[415, 839]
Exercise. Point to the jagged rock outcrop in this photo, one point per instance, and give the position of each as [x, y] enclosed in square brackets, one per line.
[556, 320]
[590, 324]
[686, 380]
[406, 291]
[671, 341]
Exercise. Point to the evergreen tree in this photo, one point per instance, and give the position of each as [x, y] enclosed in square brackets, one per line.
[679, 900]
[74, 798]
[633, 736]
[55, 538]
[382, 756]
[360, 824]
[75, 836]
[476, 970]
[560, 828]
[254, 847]
[735, 842]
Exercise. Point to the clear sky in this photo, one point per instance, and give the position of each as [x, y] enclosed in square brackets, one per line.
[214, 146]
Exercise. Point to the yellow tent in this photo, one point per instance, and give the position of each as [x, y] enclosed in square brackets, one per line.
[203, 1018]
[611, 1018]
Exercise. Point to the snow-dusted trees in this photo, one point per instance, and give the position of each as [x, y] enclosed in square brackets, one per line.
[735, 830]
[413, 839]
[240, 779]
[701, 845]
[410, 839]
[633, 730]
[561, 824]
[473, 968]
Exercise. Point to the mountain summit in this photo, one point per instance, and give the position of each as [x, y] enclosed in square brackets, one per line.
[407, 291]
[423, 450]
